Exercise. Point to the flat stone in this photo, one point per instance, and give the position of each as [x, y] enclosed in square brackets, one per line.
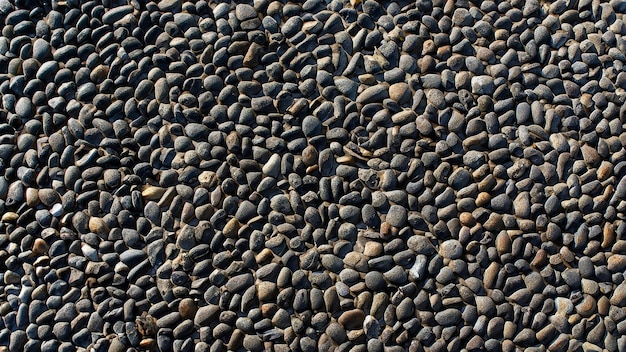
[117, 13]
[451, 249]
[448, 317]
[245, 12]
[352, 319]
[373, 94]
[482, 85]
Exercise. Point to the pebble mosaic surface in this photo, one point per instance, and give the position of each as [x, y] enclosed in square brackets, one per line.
[329, 175]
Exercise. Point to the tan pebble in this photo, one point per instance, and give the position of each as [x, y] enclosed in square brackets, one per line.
[616, 263]
[40, 247]
[153, 192]
[467, 219]
[540, 260]
[587, 307]
[586, 100]
[574, 319]
[354, 335]
[555, 259]
[187, 308]
[345, 159]
[403, 117]
[386, 229]
[231, 228]
[546, 333]
[373, 249]
[32, 197]
[204, 212]
[167, 197]
[603, 305]
[503, 243]
[483, 199]
[590, 287]
[98, 226]
[608, 235]
[251, 59]
[266, 291]
[560, 343]
[380, 301]
[207, 179]
[188, 213]
[491, 275]
[100, 72]
[510, 329]
[590, 347]
[363, 301]
[10, 216]
[605, 170]
[146, 343]
[567, 255]
[268, 309]
[399, 92]
[356, 261]
[264, 256]
[352, 319]
[367, 78]
[146, 324]
[310, 156]
[494, 223]
[48, 196]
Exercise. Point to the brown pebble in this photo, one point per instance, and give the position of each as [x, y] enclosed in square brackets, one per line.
[266, 291]
[483, 199]
[587, 307]
[503, 243]
[147, 344]
[32, 197]
[603, 305]
[10, 216]
[467, 219]
[98, 226]
[616, 263]
[100, 72]
[207, 179]
[146, 324]
[540, 260]
[605, 170]
[269, 309]
[373, 249]
[309, 156]
[352, 319]
[385, 228]
[494, 223]
[231, 228]
[399, 92]
[153, 192]
[491, 274]
[264, 256]
[187, 308]
[40, 247]
[608, 235]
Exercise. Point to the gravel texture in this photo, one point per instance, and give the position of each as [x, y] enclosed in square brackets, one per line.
[320, 175]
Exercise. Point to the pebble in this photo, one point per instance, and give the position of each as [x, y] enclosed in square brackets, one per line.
[312, 175]
[483, 85]
[451, 249]
[352, 319]
[448, 317]
[396, 216]
[116, 14]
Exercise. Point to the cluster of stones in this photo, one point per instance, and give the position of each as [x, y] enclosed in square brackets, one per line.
[312, 175]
